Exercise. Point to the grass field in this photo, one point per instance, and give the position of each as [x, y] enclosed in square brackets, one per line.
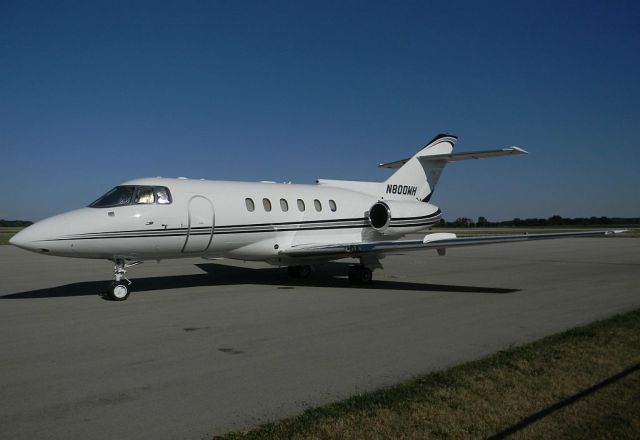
[7, 233]
[584, 383]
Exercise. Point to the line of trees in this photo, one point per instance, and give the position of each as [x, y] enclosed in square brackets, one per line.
[556, 220]
[14, 223]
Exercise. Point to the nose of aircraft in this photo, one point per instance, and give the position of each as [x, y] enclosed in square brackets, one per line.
[26, 239]
[37, 237]
[15, 240]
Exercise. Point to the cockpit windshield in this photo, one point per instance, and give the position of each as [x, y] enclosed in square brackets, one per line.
[133, 195]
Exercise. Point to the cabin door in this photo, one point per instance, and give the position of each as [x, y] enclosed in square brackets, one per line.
[201, 224]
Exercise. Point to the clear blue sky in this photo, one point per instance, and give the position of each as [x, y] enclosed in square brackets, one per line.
[95, 93]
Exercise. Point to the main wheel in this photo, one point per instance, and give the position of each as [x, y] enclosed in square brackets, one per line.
[304, 271]
[118, 291]
[299, 271]
[353, 274]
[366, 276]
[294, 271]
[360, 275]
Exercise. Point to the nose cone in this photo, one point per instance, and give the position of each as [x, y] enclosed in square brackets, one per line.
[19, 239]
[13, 241]
[27, 239]
[41, 236]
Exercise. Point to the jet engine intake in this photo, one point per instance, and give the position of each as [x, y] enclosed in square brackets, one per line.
[380, 216]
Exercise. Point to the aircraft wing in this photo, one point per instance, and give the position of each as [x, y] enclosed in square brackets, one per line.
[439, 241]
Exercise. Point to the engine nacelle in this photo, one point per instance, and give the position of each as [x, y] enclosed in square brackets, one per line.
[380, 216]
[394, 217]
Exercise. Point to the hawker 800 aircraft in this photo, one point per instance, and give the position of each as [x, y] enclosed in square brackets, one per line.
[283, 224]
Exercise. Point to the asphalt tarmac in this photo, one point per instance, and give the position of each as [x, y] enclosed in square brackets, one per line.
[201, 348]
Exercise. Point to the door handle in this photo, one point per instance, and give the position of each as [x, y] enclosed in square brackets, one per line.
[148, 223]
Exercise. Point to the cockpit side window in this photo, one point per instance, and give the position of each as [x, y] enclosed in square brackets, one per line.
[163, 197]
[118, 196]
[144, 195]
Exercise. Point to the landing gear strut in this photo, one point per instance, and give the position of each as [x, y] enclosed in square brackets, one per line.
[299, 271]
[359, 274]
[118, 290]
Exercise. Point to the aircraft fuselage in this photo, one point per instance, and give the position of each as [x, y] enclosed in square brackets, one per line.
[239, 220]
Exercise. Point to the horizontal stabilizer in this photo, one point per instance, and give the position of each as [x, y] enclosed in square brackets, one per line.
[453, 157]
[394, 165]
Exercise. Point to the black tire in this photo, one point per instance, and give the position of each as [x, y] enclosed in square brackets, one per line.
[360, 275]
[354, 274]
[299, 271]
[118, 291]
[294, 271]
[366, 276]
[304, 271]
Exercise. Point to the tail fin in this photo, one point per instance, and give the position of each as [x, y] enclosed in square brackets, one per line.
[417, 177]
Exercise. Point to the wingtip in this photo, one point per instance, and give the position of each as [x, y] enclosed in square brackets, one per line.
[519, 150]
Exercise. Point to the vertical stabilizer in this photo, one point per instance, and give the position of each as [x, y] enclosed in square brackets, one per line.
[417, 177]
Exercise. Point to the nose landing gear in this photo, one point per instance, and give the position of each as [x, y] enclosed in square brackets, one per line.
[118, 290]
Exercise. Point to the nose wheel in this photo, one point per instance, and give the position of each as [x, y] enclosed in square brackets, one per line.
[118, 290]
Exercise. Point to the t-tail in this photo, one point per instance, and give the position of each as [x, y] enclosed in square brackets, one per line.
[417, 176]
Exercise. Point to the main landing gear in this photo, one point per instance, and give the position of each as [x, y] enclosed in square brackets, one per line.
[118, 290]
[299, 271]
[359, 274]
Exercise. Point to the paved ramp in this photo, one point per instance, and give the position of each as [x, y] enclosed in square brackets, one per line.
[202, 348]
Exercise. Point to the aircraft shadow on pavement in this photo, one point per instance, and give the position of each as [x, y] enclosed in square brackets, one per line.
[331, 275]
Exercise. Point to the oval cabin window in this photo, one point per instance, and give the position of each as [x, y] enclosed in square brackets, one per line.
[284, 205]
[301, 205]
[250, 205]
[267, 204]
[332, 205]
[318, 205]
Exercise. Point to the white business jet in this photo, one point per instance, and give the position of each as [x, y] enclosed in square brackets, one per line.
[283, 224]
